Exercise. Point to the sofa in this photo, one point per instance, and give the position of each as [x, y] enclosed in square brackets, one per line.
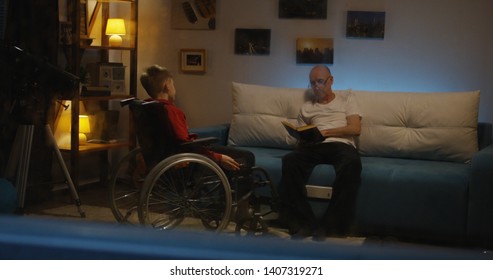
[427, 162]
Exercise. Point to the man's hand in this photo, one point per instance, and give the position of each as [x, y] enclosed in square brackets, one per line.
[229, 163]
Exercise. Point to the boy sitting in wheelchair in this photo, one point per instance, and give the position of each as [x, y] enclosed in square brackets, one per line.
[159, 85]
[237, 164]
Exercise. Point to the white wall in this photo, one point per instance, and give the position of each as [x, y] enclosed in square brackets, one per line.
[429, 45]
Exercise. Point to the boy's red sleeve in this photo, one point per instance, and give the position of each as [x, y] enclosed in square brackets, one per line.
[179, 123]
[180, 127]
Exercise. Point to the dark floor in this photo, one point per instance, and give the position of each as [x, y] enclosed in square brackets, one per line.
[94, 203]
[93, 194]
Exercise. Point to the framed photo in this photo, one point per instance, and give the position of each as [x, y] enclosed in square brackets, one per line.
[303, 9]
[315, 51]
[369, 25]
[252, 41]
[193, 61]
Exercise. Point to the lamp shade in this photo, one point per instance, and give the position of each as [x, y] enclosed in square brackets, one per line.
[115, 26]
[84, 126]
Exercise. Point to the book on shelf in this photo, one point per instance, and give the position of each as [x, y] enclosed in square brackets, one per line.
[306, 133]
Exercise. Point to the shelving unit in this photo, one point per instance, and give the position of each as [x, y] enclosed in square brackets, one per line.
[90, 45]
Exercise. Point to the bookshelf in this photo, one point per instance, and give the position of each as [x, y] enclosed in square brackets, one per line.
[99, 65]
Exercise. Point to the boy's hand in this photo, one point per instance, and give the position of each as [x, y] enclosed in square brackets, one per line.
[229, 163]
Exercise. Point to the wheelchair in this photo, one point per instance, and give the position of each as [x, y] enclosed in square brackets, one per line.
[165, 185]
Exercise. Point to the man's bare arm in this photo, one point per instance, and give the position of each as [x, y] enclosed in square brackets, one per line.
[353, 128]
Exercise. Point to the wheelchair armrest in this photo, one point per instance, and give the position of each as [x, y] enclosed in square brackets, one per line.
[127, 101]
[134, 100]
[201, 142]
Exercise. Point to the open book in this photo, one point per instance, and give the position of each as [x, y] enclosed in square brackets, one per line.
[306, 133]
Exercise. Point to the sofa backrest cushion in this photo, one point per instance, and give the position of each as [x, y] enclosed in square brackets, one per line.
[419, 125]
[434, 126]
[257, 114]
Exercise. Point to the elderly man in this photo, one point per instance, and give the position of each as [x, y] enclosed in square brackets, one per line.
[338, 119]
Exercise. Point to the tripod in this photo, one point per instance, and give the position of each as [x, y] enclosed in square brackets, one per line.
[20, 158]
[32, 80]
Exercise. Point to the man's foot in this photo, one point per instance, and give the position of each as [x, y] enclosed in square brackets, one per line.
[320, 234]
[278, 223]
[302, 233]
[286, 219]
[336, 232]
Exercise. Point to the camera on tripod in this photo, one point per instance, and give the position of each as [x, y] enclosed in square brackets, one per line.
[31, 83]
[25, 71]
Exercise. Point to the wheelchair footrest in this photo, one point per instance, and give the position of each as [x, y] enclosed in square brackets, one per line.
[254, 225]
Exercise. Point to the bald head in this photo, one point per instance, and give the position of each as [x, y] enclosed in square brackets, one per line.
[321, 69]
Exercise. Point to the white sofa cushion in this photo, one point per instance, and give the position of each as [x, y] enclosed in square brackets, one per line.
[434, 126]
[257, 114]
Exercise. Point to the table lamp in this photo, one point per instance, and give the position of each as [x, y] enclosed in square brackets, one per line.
[115, 27]
[84, 127]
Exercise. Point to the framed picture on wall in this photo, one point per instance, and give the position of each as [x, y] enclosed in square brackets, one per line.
[193, 61]
[303, 9]
[370, 25]
[198, 14]
[252, 41]
[315, 51]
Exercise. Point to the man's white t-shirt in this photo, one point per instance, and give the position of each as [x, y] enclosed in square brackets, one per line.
[330, 115]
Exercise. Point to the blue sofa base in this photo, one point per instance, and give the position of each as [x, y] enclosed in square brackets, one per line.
[393, 198]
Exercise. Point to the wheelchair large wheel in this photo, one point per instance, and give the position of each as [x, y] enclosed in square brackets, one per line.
[125, 184]
[188, 191]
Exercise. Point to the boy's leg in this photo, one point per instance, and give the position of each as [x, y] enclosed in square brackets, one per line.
[240, 181]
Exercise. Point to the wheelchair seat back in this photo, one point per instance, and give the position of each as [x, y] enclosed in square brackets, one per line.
[154, 131]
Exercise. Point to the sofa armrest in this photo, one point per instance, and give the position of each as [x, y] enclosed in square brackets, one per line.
[219, 131]
[480, 215]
